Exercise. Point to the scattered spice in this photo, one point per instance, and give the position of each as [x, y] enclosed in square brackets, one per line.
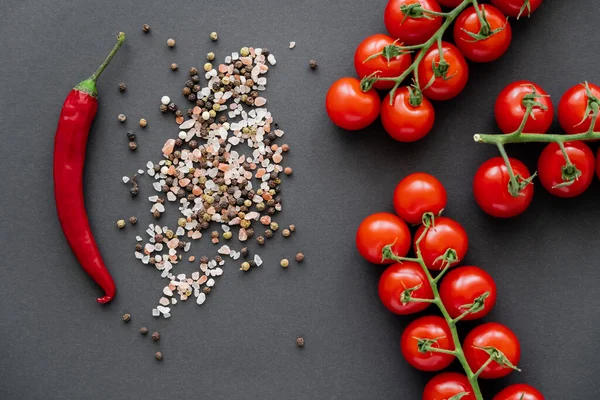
[292, 228]
[121, 117]
[126, 317]
[158, 355]
[286, 232]
[163, 108]
[274, 226]
[268, 233]
[132, 146]
[193, 71]
[299, 257]
[284, 263]
[214, 36]
[135, 189]
[300, 342]
[171, 42]
[206, 290]
[121, 224]
[146, 28]
[155, 336]
[292, 45]
[174, 66]
[285, 148]
[130, 135]
[260, 240]
[312, 64]
[191, 259]
[210, 56]
[138, 247]
[143, 122]
[208, 67]
[287, 171]
[122, 87]
[133, 220]
[245, 266]
[227, 235]
[144, 331]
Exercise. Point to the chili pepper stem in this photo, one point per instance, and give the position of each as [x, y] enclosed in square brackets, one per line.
[89, 85]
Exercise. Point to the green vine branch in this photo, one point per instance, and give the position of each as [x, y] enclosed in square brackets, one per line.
[570, 173]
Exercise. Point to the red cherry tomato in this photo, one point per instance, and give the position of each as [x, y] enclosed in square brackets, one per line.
[417, 194]
[377, 231]
[572, 109]
[455, 79]
[349, 107]
[512, 8]
[490, 187]
[551, 163]
[510, 110]
[450, 3]
[462, 286]
[387, 68]
[488, 49]
[519, 392]
[411, 31]
[399, 277]
[446, 234]
[495, 335]
[404, 122]
[427, 327]
[446, 385]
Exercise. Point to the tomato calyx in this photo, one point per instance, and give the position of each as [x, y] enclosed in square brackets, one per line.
[368, 81]
[486, 30]
[593, 105]
[530, 101]
[415, 95]
[389, 52]
[526, 5]
[516, 184]
[448, 258]
[425, 345]
[406, 295]
[415, 10]
[476, 306]
[497, 356]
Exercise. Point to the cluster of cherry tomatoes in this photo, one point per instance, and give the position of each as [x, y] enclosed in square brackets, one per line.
[409, 115]
[575, 110]
[460, 288]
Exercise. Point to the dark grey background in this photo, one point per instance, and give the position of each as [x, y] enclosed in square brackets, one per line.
[57, 343]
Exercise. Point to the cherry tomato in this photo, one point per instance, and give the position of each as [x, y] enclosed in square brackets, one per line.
[490, 187]
[572, 109]
[411, 31]
[455, 79]
[446, 385]
[551, 163]
[450, 3]
[404, 122]
[512, 8]
[446, 234]
[399, 277]
[427, 327]
[519, 391]
[510, 110]
[488, 49]
[349, 107]
[495, 335]
[394, 67]
[377, 231]
[462, 286]
[417, 194]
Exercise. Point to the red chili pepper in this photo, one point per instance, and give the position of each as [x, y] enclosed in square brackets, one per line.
[76, 117]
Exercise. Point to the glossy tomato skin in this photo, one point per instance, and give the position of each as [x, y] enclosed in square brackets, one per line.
[572, 108]
[512, 8]
[349, 107]
[377, 231]
[404, 122]
[411, 31]
[450, 3]
[373, 45]
[519, 391]
[490, 187]
[462, 286]
[446, 234]
[495, 335]
[509, 109]
[418, 194]
[446, 385]
[550, 166]
[399, 277]
[456, 77]
[488, 49]
[427, 327]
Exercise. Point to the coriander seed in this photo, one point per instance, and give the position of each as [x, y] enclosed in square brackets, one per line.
[121, 224]
[208, 67]
[245, 266]
[132, 220]
[146, 28]
[121, 117]
[206, 290]
[210, 56]
[126, 317]
[260, 240]
[274, 226]
[186, 91]
[214, 36]
[227, 235]
[132, 146]
[299, 257]
[143, 330]
[163, 108]
[284, 263]
[143, 122]
[300, 342]
[287, 171]
[122, 87]
[171, 42]
[285, 147]
[286, 232]
[158, 355]
[155, 336]
[312, 64]
[244, 52]
[269, 233]
[174, 66]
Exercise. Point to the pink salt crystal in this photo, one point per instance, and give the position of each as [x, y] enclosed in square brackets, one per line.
[267, 128]
[260, 172]
[173, 243]
[189, 234]
[196, 235]
[242, 235]
[172, 170]
[215, 240]
[248, 175]
[190, 280]
[202, 279]
[172, 287]
[164, 301]
[263, 68]
[174, 189]
[235, 221]
[196, 110]
[168, 147]
[222, 68]
[198, 173]
[277, 158]
[260, 101]
[172, 258]
[230, 69]
[184, 182]
[246, 60]
[211, 210]
[265, 220]
[252, 52]
[223, 167]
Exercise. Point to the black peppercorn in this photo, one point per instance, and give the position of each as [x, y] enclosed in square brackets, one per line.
[130, 135]
[186, 91]
[193, 71]
[173, 107]
[144, 330]
[178, 143]
[189, 112]
[155, 336]
[134, 190]
[260, 240]
[163, 108]
[312, 64]
[196, 88]
[195, 78]
[122, 87]
[138, 247]
[189, 83]
[179, 113]
[146, 28]
[193, 144]
[126, 317]
[132, 146]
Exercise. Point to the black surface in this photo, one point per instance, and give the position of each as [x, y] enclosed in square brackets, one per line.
[56, 343]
